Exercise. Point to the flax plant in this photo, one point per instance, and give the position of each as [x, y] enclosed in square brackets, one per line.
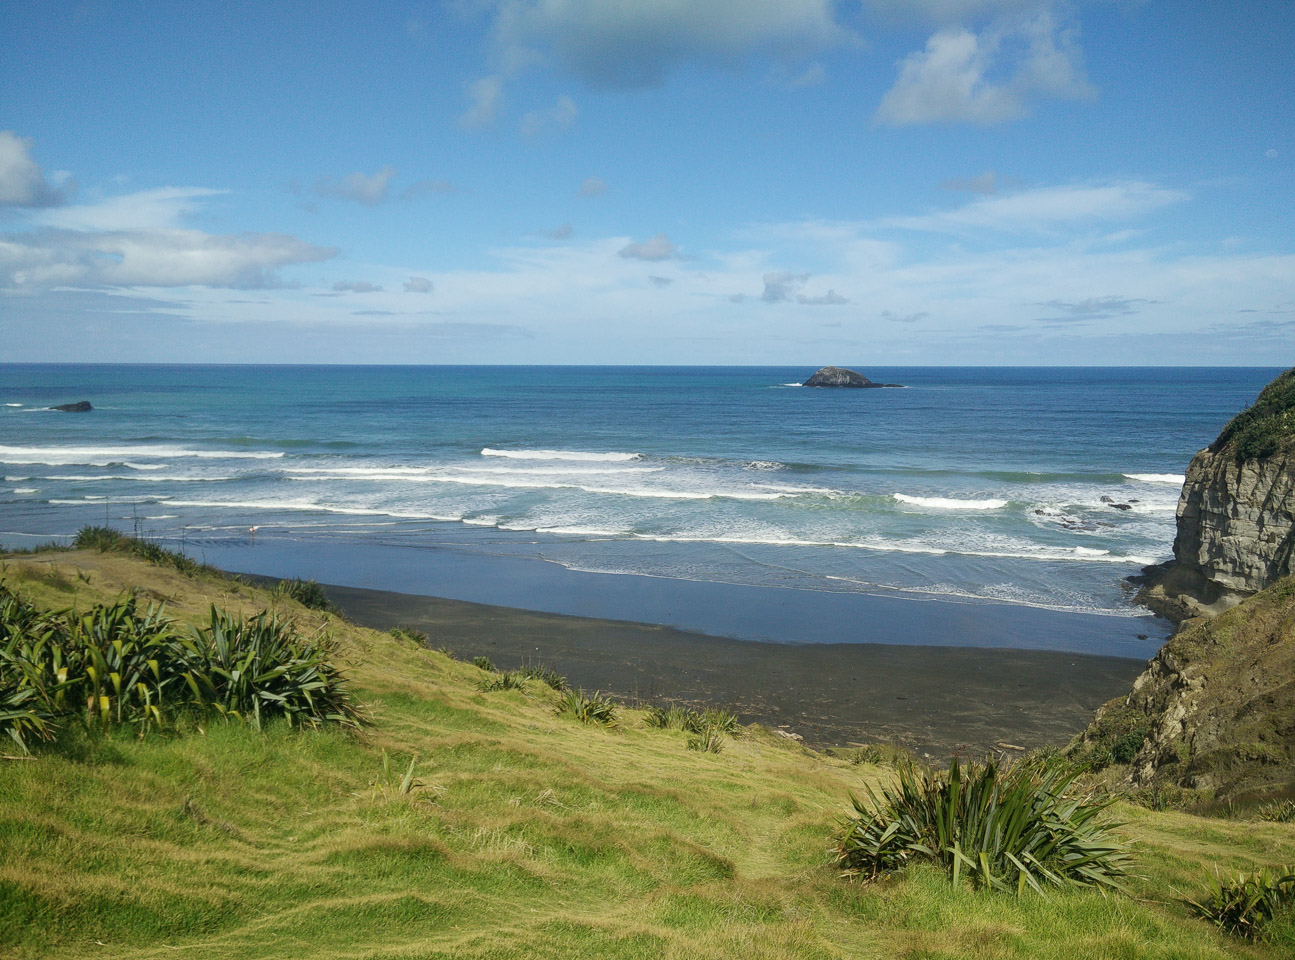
[1008, 828]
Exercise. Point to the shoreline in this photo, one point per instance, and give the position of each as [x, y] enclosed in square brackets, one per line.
[932, 700]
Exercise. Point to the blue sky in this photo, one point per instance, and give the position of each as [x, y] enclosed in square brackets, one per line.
[661, 181]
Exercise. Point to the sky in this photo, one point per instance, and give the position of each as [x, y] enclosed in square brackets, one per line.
[863, 182]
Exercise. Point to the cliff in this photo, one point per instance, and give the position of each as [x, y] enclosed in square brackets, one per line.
[1236, 513]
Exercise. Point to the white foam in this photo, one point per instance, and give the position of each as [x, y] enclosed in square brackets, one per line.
[308, 505]
[948, 503]
[26, 490]
[429, 473]
[103, 456]
[13, 404]
[164, 516]
[78, 478]
[8, 479]
[522, 480]
[577, 531]
[1177, 479]
[557, 455]
[791, 384]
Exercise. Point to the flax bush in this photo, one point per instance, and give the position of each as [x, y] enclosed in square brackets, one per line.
[1008, 828]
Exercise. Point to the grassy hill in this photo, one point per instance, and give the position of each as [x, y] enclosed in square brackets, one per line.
[522, 833]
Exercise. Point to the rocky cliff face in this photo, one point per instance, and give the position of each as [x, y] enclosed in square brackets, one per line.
[1236, 514]
[1215, 709]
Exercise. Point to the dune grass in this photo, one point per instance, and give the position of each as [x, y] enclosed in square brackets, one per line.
[466, 823]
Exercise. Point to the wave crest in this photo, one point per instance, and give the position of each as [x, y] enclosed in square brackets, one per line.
[559, 455]
[949, 503]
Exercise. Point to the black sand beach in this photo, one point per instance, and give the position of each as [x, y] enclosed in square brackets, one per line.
[933, 700]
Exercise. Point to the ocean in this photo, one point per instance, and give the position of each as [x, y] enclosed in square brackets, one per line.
[720, 498]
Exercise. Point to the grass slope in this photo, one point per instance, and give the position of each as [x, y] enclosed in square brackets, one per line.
[523, 834]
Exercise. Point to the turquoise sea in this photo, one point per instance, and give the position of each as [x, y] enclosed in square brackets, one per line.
[728, 494]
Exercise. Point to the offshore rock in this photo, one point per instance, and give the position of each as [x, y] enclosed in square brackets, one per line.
[81, 406]
[841, 377]
[1236, 514]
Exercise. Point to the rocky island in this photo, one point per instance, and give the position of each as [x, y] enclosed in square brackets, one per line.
[81, 406]
[841, 377]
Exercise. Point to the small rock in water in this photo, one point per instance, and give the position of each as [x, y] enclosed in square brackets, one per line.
[81, 406]
[841, 377]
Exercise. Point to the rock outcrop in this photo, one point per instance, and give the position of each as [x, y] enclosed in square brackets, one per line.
[81, 406]
[1236, 513]
[1215, 709]
[841, 377]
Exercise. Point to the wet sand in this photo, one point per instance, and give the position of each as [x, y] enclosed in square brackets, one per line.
[934, 700]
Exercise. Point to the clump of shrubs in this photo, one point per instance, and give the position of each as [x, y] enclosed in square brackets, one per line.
[118, 664]
[1245, 904]
[484, 663]
[675, 717]
[708, 727]
[1262, 428]
[308, 593]
[1277, 811]
[108, 540]
[1005, 827]
[508, 680]
[410, 635]
[548, 676]
[592, 708]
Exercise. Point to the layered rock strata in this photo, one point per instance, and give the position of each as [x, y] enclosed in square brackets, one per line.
[1236, 514]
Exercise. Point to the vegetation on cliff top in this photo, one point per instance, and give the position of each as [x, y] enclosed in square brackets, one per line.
[472, 823]
[1262, 428]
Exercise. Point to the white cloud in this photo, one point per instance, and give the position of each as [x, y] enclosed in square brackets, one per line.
[418, 285]
[146, 210]
[657, 248]
[484, 96]
[1270, 153]
[987, 77]
[556, 119]
[150, 258]
[356, 286]
[829, 299]
[904, 317]
[1045, 208]
[637, 43]
[22, 183]
[593, 186]
[781, 285]
[368, 190]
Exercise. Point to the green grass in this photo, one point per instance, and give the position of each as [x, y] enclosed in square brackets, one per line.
[483, 825]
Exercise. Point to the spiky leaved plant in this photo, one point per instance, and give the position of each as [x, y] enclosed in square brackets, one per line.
[1008, 828]
[1243, 904]
[588, 708]
[261, 667]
